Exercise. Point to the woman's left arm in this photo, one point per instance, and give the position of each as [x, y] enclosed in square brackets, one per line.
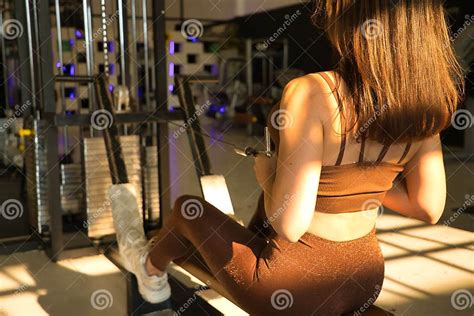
[291, 195]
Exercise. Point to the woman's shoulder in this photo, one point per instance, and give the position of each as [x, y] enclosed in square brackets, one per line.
[313, 84]
[315, 89]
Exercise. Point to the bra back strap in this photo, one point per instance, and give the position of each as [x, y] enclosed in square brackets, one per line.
[405, 153]
[362, 149]
[383, 153]
[333, 88]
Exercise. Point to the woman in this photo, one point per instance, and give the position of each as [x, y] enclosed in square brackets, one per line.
[342, 139]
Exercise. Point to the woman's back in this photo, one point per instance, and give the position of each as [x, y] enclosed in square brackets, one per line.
[356, 172]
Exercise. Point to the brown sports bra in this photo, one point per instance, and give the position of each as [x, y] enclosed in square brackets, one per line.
[350, 187]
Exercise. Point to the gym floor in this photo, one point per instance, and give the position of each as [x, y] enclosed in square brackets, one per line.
[428, 268]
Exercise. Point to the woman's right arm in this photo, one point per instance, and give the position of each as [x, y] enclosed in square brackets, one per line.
[422, 194]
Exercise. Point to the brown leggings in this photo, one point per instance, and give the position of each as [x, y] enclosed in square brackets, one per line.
[266, 275]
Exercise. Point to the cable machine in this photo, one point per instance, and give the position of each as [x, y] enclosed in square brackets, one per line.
[68, 224]
[141, 126]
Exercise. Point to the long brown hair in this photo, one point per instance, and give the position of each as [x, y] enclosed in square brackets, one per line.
[397, 61]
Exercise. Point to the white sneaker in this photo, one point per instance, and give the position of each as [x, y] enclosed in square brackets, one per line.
[133, 245]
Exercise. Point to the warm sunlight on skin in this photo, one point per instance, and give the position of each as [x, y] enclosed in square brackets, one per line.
[290, 195]
[299, 160]
[423, 194]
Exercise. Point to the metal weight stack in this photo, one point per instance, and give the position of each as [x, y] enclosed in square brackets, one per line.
[152, 192]
[35, 164]
[71, 188]
[98, 181]
[41, 175]
[30, 170]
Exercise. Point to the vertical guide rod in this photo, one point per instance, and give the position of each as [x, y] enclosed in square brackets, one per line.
[122, 32]
[161, 103]
[61, 72]
[105, 40]
[44, 92]
[249, 66]
[133, 51]
[4, 62]
[31, 59]
[89, 53]
[154, 130]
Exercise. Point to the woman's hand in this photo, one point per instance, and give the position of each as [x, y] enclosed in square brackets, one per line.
[265, 168]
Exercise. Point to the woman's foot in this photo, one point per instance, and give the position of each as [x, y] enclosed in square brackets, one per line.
[133, 245]
[154, 288]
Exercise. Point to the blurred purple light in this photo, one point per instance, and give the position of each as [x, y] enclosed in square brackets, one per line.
[172, 48]
[78, 34]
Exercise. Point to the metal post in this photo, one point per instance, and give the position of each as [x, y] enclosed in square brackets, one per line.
[23, 55]
[146, 57]
[123, 39]
[4, 69]
[133, 52]
[61, 62]
[161, 97]
[105, 41]
[149, 106]
[89, 41]
[47, 104]
[249, 66]
[31, 56]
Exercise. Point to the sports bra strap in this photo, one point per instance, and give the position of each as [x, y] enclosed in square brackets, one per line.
[405, 153]
[343, 129]
[362, 149]
[383, 153]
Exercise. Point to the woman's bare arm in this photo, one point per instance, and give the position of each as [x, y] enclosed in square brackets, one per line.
[422, 194]
[291, 200]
